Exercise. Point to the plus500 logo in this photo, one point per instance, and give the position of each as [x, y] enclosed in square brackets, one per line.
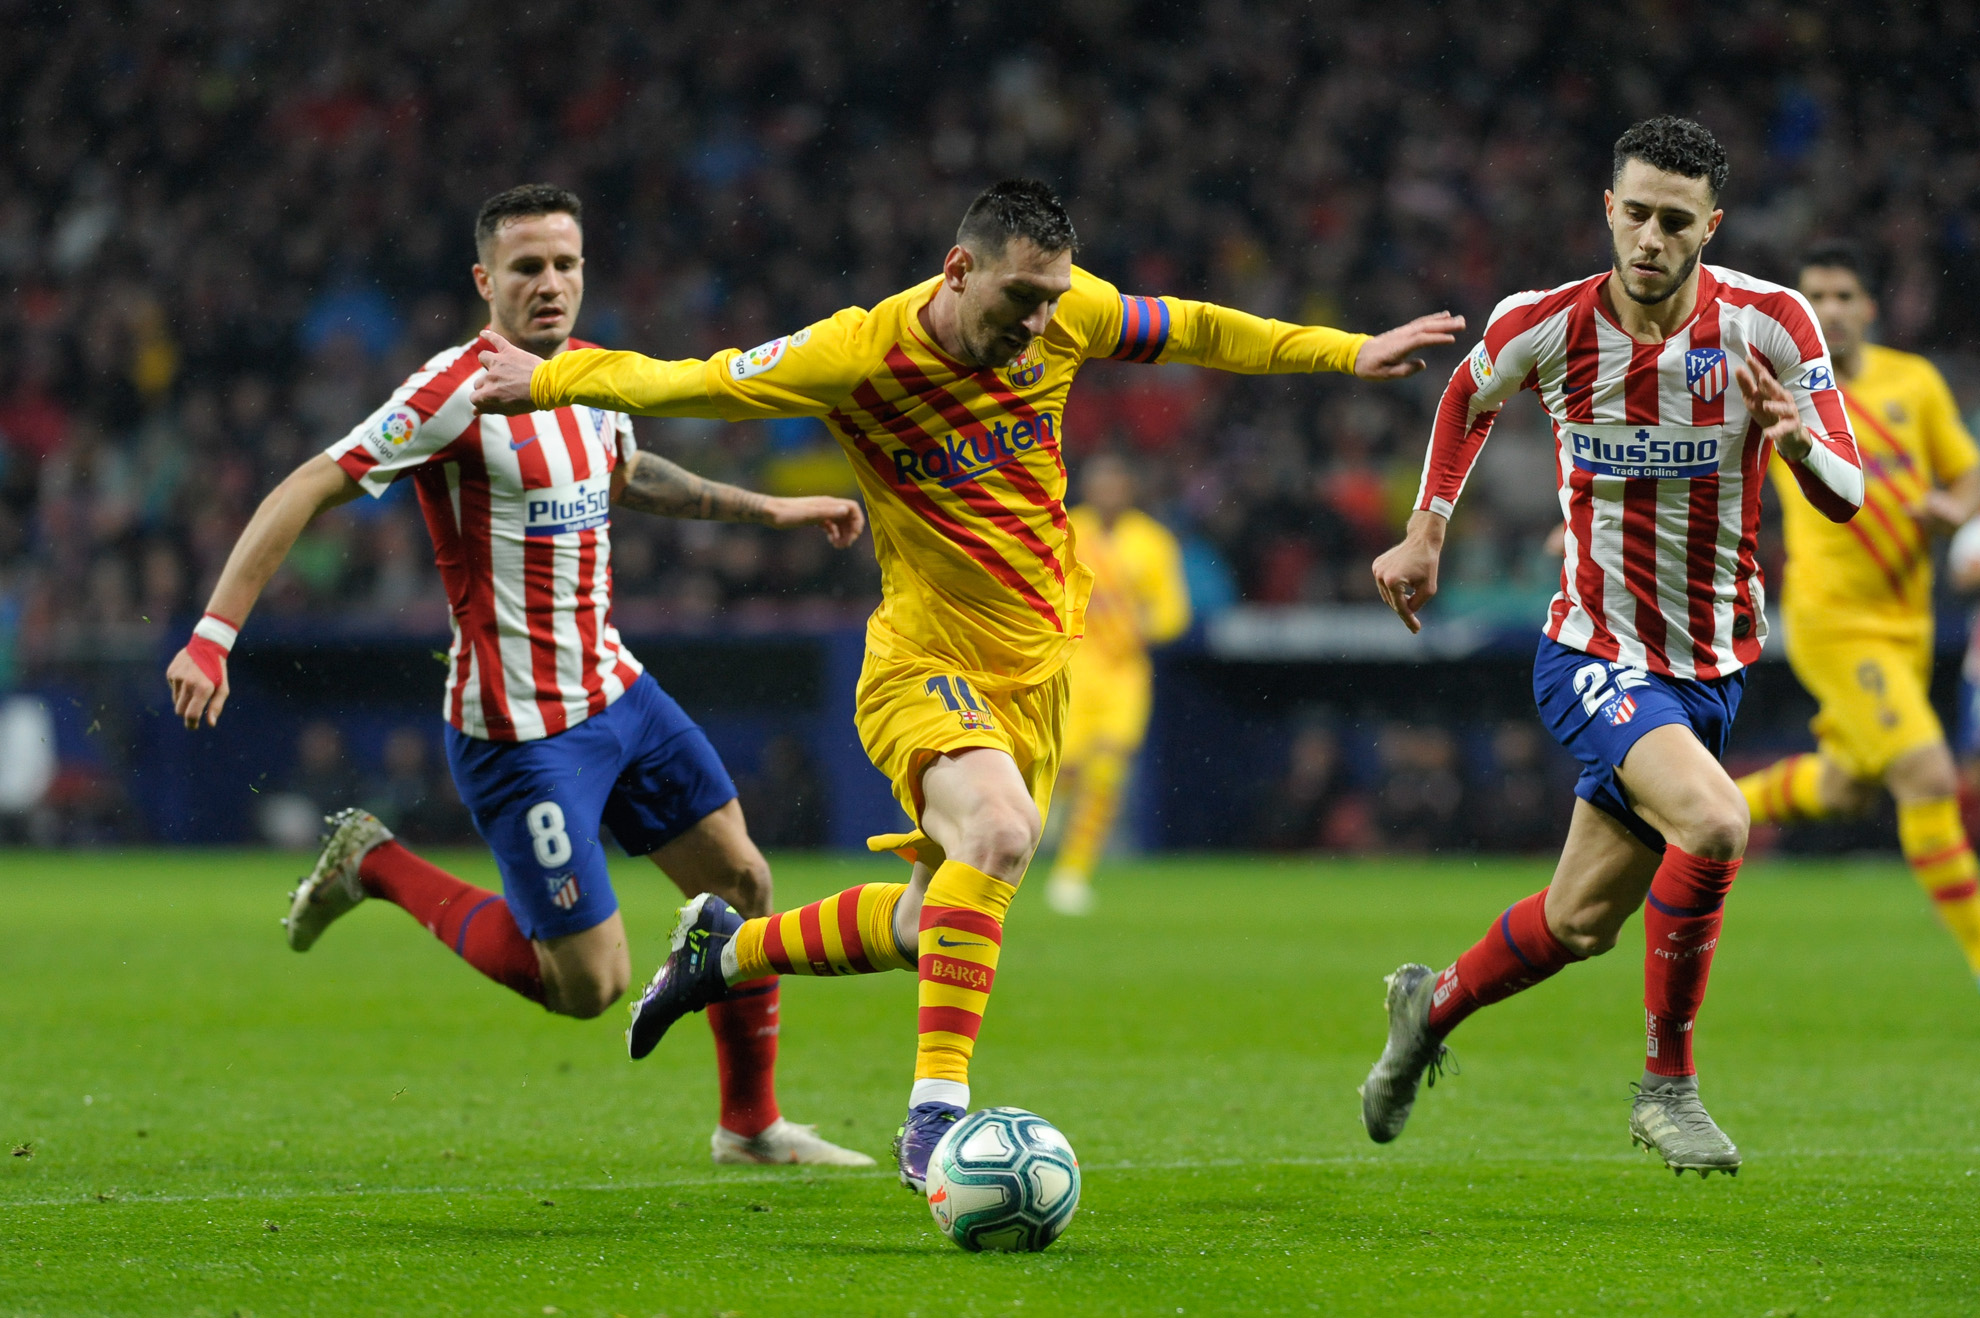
[578, 506]
[1644, 453]
[960, 459]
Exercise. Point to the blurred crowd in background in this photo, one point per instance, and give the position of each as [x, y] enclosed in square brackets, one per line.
[228, 229]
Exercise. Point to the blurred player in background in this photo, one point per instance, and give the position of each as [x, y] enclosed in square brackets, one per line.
[1857, 604]
[553, 728]
[947, 399]
[1140, 598]
[1643, 659]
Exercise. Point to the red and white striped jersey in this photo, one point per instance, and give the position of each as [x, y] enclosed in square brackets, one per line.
[520, 510]
[1658, 465]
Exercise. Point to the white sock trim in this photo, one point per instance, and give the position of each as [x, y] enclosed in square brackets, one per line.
[939, 1091]
[730, 970]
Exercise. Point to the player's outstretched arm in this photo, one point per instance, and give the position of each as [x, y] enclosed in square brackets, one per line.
[666, 489]
[1407, 575]
[197, 674]
[1225, 339]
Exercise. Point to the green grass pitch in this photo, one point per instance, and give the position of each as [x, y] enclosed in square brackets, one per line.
[218, 1126]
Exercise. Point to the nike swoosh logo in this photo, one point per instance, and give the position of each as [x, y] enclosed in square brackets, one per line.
[946, 943]
[518, 444]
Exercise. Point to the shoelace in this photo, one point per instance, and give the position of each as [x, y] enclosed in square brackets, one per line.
[1444, 1063]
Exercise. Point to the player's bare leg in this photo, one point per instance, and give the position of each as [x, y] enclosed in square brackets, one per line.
[1606, 873]
[586, 972]
[978, 809]
[360, 859]
[1925, 785]
[718, 857]
[1924, 782]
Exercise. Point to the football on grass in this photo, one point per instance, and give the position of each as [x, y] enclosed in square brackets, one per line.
[1003, 1179]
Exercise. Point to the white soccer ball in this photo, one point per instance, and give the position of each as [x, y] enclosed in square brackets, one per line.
[1003, 1179]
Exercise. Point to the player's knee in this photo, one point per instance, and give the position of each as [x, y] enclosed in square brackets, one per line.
[1000, 837]
[1717, 829]
[586, 998]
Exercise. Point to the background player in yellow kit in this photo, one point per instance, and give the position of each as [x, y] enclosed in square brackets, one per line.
[1858, 603]
[947, 399]
[1139, 599]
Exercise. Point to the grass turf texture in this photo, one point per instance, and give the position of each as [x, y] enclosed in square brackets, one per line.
[220, 1126]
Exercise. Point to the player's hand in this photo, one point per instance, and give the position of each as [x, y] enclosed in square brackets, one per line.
[193, 692]
[1940, 512]
[1557, 541]
[1388, 356]
[505, 388]
[1769, 403]
[843, 519]
[1407, 575]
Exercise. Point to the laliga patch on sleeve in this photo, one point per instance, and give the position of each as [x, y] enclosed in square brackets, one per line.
[1481, 366]
[759, 359]
[393, 431]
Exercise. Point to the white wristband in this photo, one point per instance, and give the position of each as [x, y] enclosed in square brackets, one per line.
[218, 630]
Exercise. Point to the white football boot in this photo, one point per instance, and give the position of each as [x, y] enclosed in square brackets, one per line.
[1068, 895]
[1389, 1092]
[783, 1142]
[333, 887]
[1666, 1118]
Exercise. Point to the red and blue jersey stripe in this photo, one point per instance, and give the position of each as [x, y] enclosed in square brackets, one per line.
[1144, 329]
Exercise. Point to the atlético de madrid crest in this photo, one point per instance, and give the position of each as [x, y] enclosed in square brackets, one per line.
[1706, 374]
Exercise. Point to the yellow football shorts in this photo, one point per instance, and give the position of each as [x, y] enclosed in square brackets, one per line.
[1874, 693]
[909, 711]
[1110, 704]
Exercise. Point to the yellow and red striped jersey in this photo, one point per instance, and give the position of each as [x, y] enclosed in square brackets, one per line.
[1140, 597]
[960, 467]
[1875, 571]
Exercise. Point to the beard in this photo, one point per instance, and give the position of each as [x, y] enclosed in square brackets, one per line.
[1652, 299]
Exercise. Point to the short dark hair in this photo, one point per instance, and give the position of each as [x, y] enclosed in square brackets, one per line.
[1676, 146]
[1840, 254]
[522, 202]
[1017, 208]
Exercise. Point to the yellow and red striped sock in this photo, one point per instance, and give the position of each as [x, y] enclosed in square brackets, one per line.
[1941, 858]
[962, 931]
[1786, 791]
[848, 933]
[1099, 794]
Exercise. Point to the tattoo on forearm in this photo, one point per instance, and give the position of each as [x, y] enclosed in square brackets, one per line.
[667, 489]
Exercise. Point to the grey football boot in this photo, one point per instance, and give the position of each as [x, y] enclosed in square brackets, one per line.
[1389, 1092]
[332, 887]
[1666, 1118]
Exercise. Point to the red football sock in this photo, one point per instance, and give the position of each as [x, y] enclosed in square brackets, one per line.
[1515, 954]
[473, 921]
[1680, 929]
[745, 1026]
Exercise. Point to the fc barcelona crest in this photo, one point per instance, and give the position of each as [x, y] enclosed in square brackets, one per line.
[1029, 368]
[1706, 374]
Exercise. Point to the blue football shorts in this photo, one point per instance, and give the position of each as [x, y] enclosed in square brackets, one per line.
[1598, 709]
[642, 768]
[1967, 740]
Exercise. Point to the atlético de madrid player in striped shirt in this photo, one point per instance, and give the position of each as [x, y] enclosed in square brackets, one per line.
[1670, 384]
[553, 728]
